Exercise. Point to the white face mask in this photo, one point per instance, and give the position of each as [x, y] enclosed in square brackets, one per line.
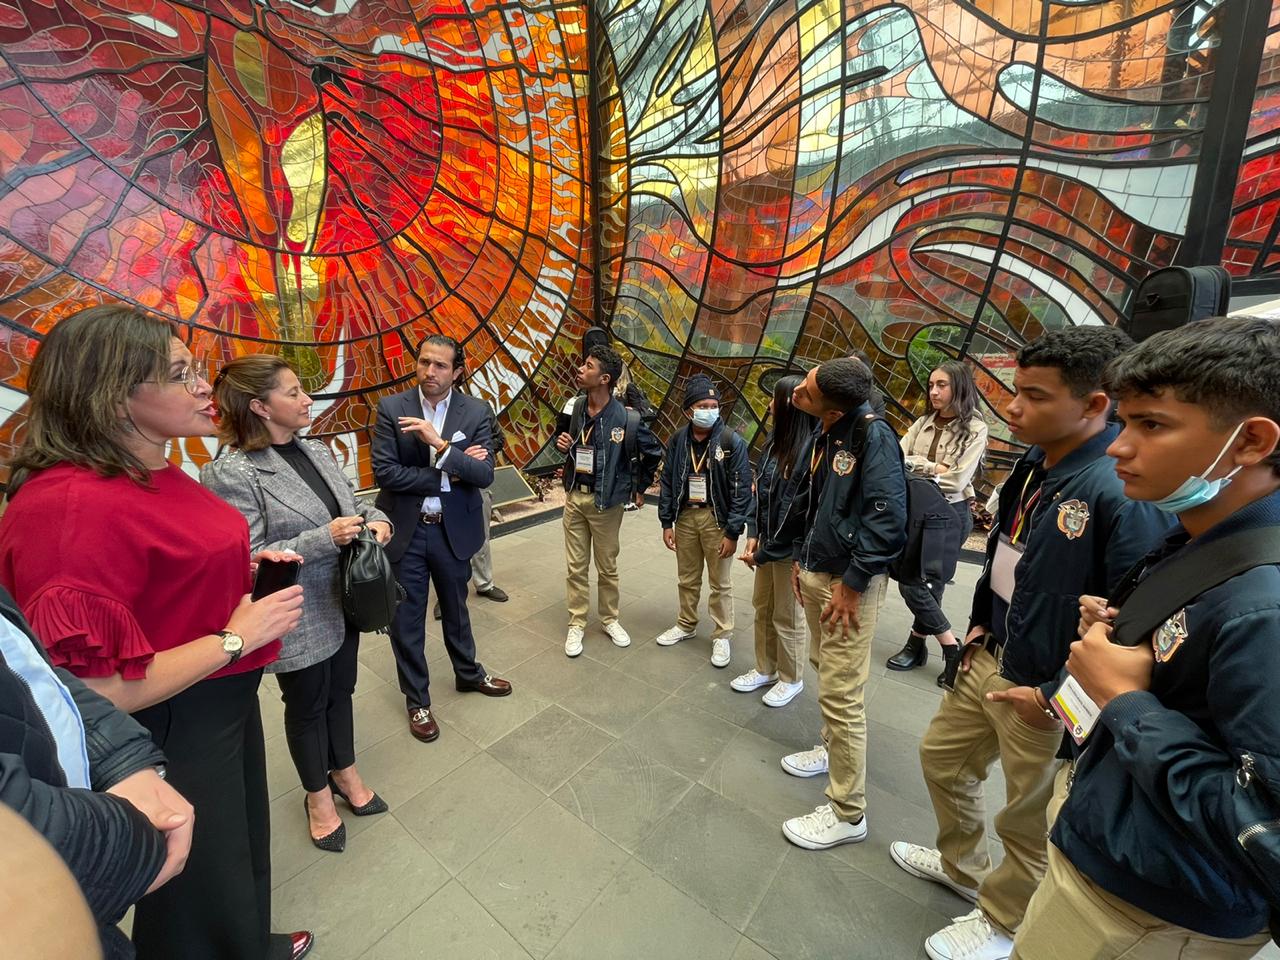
[705, 419]
[1197, 491]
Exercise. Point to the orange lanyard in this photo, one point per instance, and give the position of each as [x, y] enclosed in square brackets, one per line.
[1026, 507]
[698, 464]
[815, 463]
[584, 436]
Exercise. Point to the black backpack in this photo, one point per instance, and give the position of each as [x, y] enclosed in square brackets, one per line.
[1173, 296]
[932, 527]
[370, 592]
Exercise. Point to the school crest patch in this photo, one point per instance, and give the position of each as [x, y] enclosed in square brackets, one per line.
[616, 434]
[1169, 636]
[719, 453]
[842, 463]
[1073, 518]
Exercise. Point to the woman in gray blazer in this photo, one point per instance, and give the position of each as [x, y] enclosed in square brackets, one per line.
[295, 498]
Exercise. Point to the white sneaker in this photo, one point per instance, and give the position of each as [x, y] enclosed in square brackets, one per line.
[782, 693]
[753, 679]
[573, 642]
[619, 636]
[672, 636]
[970, 937]
[806, 763]
[822, 830]
[720, 652]
[926, 863]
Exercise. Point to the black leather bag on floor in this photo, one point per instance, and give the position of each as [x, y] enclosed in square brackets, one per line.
[370, 592]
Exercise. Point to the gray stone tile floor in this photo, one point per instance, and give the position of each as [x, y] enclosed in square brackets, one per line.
[624, 804]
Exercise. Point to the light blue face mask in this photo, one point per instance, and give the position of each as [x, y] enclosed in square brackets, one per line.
[1197, 491]
[705, 419]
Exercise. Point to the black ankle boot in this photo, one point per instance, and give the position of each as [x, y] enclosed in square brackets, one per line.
[912, 655]
[951, 657]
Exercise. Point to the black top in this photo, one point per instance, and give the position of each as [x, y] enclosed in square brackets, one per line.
[587, 438]
[297, 458]
[698, 454]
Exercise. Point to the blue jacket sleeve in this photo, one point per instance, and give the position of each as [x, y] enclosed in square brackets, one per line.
[882, 527]
[743, 506]
[667, 498]
[478, 473]
[1186, 776]
[388, 471]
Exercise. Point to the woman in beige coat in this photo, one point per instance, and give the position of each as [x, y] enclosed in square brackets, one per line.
[946, 445]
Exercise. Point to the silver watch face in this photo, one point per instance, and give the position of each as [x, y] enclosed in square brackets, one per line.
[233, 643]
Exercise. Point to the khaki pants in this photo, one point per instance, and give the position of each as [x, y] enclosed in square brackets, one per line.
[589, 531]
[843, 663]
[698, 539]
[967, 735]
[1072, 918]
[780, 638]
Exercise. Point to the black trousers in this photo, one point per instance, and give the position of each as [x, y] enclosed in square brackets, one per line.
[317, 714]
[429, 559]
[924, 599]
[219, 907]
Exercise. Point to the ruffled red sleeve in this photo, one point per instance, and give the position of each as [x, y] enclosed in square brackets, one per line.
[89, 634]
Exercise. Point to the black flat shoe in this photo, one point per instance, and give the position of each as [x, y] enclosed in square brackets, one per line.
[913, 654]
[334, 842]
[374, 806]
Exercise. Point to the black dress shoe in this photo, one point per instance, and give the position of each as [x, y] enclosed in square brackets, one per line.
[376, 805]
[951, 657]
[423, 725]
[496, 594]
[489, 686]
[913, 654]
[334, 842]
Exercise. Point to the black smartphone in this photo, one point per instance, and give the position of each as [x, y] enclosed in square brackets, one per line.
[274, 575]
[562, 423]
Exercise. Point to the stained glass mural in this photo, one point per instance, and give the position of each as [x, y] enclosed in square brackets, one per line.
[1252, 248]
[333, 179]
[789, 181]
[772, 183]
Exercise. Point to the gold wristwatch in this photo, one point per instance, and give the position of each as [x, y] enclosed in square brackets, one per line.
[232, 645]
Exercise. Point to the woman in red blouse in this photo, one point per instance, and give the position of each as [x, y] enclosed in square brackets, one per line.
[136, 579]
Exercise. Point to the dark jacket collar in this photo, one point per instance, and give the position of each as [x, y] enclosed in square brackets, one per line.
[1080, 457]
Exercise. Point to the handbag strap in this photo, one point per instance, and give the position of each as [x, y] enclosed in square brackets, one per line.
[1190, 572]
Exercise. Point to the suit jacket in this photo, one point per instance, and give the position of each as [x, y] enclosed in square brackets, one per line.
[402, 468]
[284, 513]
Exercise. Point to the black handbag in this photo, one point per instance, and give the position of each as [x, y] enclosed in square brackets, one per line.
[370, 592]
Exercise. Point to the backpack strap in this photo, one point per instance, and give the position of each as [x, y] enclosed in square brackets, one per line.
[631, 443]
[1189, 573]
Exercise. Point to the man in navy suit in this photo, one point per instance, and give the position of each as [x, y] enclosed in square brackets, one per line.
[431, 490]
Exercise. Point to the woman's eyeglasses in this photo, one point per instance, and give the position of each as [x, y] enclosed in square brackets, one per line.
[191, 376]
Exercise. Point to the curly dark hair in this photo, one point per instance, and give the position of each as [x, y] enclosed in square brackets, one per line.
[1080, 354]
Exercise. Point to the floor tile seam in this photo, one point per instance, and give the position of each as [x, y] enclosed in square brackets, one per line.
[547, 794]
[481, 852]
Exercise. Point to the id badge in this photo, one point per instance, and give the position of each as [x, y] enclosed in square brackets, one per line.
[584, 460]
[1003, 566]
[698, 489]
[1076, 709]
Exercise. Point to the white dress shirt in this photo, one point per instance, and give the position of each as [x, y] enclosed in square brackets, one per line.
[436, 415]
[53, 700]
